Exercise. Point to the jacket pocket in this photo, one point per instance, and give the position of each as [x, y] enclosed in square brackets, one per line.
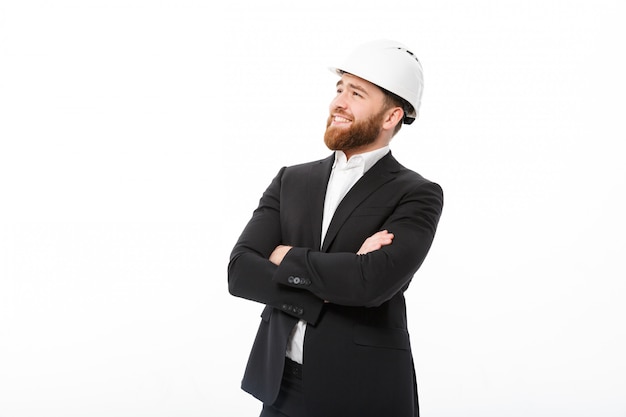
[372, 211]
[382, 337]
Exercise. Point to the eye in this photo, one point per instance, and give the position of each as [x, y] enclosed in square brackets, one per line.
[355, 93]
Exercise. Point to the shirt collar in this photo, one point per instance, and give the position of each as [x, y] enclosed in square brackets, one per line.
[364, 160]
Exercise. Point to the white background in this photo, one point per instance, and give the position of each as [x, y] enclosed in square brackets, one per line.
[137, 137]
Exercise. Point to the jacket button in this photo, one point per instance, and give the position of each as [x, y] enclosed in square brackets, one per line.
[290, 279]
[296, 280]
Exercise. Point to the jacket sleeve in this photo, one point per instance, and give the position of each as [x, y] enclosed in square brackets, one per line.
[371, 279]
[250, 273]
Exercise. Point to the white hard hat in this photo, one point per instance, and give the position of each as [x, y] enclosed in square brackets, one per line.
[391, 66]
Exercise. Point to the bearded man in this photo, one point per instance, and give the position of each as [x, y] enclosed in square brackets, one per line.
[331, 249]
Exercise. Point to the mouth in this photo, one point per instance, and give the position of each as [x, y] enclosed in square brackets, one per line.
[338, 120]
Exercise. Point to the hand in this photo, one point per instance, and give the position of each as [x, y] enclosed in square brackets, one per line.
[279, 253]
[375, 242]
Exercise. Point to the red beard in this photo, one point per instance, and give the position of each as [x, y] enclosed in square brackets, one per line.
[360, 133]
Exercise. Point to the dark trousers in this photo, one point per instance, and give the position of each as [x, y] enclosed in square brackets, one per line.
[290, 401]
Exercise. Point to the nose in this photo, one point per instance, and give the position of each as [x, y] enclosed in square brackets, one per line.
[339, 102]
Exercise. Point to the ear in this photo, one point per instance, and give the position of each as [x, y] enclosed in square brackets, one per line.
[393, 116]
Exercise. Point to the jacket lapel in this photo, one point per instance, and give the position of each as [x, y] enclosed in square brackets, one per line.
[318, 181]
[378, 175]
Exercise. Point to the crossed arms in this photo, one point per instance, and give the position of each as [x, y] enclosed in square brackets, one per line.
[263, 269]
[372, 243]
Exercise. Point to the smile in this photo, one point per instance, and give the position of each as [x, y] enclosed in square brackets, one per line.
[339, 119]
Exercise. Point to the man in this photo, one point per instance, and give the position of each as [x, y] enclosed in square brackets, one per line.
[331, 249]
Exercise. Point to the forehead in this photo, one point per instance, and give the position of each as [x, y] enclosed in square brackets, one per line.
[348, 79]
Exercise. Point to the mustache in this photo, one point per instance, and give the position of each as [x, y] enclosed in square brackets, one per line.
[338, 112]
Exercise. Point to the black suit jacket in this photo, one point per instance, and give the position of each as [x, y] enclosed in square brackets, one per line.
[357, 356]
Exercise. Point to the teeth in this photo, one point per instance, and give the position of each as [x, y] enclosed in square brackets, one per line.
[341, 119]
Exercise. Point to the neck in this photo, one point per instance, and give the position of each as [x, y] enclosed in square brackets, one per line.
[366, 148]
[357, 151]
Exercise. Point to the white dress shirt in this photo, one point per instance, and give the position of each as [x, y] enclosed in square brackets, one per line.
[344, 174]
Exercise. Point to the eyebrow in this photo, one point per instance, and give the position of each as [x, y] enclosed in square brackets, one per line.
[354, 87]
